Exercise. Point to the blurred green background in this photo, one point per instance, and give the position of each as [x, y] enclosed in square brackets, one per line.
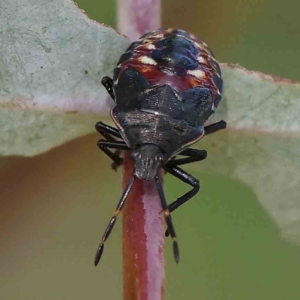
[55, 206]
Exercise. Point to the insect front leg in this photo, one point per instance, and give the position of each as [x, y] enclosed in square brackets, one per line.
[105, 146]
[193, 155]
[187, 178]
[108, 132]
[112, 221]
[168, 219]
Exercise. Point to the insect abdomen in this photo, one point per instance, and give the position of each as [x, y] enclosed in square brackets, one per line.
[176, 58]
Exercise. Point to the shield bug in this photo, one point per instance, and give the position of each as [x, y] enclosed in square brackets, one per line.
[165, 87]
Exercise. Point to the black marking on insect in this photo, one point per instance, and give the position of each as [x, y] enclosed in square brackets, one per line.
[165, 86]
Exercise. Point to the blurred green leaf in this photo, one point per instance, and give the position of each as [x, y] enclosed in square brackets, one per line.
[261, 146]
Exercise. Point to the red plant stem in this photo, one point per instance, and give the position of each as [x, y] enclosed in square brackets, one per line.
[143, 222]
[137, 17]
[143, 240]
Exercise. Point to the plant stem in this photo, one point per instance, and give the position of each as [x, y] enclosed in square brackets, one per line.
[143, 240]
[137, 17]
[143, 222]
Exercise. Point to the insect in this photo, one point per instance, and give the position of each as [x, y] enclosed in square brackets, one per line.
[165, 86]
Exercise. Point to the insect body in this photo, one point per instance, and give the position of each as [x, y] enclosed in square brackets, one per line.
[165, 86]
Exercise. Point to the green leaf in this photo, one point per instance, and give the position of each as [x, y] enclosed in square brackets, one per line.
[261, 145]
[256, 101]
[52, 59]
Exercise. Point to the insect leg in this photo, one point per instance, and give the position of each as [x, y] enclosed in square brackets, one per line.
[168, 218]
[108, 83]
[112, 221]
[119, 145]
[194, 155]
[187, 178]
[108, 131]
[115, 165]
[214, 127]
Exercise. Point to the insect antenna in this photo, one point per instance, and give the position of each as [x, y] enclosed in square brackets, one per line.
[113, 220]
[168, 219]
